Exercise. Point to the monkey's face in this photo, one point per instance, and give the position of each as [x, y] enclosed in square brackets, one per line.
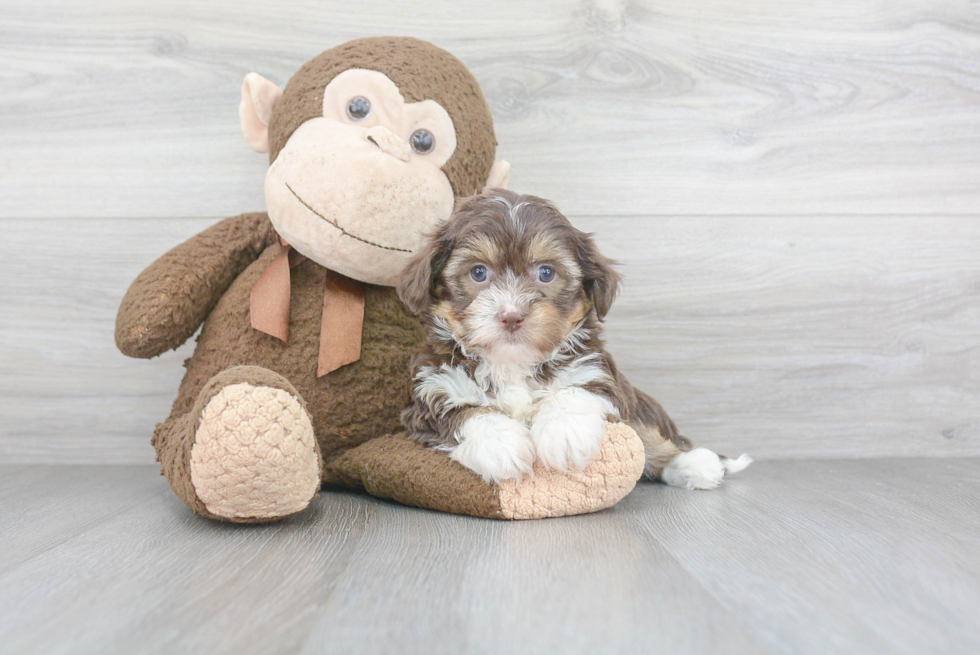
[356, 188]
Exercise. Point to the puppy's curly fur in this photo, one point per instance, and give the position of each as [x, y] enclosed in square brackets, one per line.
[514, 368]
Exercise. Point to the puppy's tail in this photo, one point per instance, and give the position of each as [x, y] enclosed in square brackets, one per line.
[697, 468]
[735, 465]
[701, 469]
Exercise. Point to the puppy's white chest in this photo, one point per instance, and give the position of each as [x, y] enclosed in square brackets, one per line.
[512, 389]
[515, 400]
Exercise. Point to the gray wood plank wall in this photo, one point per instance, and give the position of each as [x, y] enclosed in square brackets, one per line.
[792, 188]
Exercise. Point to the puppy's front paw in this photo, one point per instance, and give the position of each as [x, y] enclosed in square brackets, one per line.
[495, 447]
[568, 429]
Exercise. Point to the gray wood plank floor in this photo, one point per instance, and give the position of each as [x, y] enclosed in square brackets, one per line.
[801, 556]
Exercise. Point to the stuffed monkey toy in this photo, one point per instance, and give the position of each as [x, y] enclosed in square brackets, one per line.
[302, 365]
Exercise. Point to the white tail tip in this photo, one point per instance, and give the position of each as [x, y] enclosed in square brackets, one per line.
[736, 465]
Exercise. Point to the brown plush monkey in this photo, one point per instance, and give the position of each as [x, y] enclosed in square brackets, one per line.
[301, 367]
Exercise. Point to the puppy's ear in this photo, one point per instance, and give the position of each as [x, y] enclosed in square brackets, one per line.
[599, 278]
[417, 282]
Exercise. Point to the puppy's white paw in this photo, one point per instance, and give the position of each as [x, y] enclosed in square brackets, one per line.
[494, 446]
[696, 469]
[567, 430]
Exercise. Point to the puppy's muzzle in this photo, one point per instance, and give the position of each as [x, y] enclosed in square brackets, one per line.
[512, 320]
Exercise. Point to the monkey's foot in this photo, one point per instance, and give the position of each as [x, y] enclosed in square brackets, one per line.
[397, 467]
[603, 483]
[254, 456]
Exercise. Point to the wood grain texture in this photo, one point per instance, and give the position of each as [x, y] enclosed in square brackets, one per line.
[586, 585]
[792, 556]
[128, 109]
[806, 336]
[45, 506]
[819, 336]
[835, 556]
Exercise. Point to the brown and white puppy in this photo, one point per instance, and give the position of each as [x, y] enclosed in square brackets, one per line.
[514, 370]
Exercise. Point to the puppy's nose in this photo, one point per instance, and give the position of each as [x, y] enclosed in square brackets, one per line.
[512, 320]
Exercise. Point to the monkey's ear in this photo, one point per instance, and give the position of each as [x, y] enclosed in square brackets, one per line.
[259, 98]
[499, 175]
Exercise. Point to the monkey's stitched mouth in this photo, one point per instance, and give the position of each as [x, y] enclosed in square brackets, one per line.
[342, 230]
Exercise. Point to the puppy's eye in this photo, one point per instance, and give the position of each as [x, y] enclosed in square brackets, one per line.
[479, 274]
[358, 108]
[422, 141]
[546, 274]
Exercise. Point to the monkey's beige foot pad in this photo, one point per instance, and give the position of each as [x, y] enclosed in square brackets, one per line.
[396, 467]
[601, 484]
[254, 455]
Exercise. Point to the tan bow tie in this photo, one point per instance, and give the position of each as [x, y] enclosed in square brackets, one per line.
[342, 319]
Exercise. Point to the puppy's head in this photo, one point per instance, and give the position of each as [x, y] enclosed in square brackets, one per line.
[510, 276]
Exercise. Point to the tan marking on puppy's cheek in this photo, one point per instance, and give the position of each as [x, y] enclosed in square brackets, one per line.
[546, 327]
[579, 312]
[447, 312]
[565, 296]
[442, 310]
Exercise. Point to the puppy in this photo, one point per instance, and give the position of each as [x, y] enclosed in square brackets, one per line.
[514, 370]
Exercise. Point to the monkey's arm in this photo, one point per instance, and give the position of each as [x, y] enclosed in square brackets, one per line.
[400, 468]
[167, 302]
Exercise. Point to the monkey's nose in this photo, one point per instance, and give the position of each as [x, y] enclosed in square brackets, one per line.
[512, 320]
[389, 142]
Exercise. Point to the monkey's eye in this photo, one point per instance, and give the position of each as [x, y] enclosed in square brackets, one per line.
[358, 108]
[546, 274]
[422, 141]
[479, 273]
